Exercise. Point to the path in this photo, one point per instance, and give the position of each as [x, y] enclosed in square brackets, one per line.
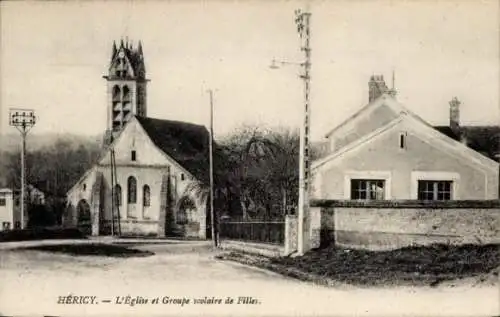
[32, 281]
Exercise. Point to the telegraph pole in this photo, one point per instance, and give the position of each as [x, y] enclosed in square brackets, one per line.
[23, 120]
[113, 189]
[302, 20]
[211, 169]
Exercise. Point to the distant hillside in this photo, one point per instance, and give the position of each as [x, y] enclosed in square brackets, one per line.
[37, 143]
[12, 142]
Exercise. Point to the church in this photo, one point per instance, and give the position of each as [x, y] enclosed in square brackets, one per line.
[144, 181]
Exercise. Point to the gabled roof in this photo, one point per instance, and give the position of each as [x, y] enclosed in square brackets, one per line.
[482, 139]
[453, 148]
[384, 99]
[186, 143]
[29, 188]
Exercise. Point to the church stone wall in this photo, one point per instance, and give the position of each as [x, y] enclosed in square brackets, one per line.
[135, 155]
[159, 218]
[81, 191]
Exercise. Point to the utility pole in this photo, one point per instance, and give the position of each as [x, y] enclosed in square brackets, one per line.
[23, 120]
[211, 169]
[302, 20]
[113, 193]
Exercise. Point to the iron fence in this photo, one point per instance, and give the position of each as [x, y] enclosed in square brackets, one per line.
[254, 231]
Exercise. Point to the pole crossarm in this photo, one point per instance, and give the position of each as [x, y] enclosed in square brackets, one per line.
[274, 63]
[22, 119]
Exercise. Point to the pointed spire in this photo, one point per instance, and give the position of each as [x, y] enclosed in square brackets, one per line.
[121, 43]
[114, 50]
[393, 91]
[139, 48]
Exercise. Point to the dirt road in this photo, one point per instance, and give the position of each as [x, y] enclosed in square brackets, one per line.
[33, 282]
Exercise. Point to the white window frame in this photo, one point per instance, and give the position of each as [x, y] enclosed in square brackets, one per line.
[435, 176]
[368, 175]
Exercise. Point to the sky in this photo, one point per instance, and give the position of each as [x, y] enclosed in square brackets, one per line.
[53, 56]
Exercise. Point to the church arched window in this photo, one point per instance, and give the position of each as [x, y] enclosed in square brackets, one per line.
[132, 190]
[118, 195]
[146, 196]
[116, 93]
[126, 93]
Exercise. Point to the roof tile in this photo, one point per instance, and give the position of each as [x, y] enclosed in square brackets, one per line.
[186, 143]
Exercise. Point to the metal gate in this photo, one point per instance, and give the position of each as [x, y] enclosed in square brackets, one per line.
[261, 231]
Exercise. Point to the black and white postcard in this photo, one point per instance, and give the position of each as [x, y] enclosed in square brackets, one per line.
[249, 158]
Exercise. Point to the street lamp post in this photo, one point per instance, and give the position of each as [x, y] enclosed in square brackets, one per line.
[23, 120]
[302, 20]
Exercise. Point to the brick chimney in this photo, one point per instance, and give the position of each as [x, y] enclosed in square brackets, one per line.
[376, 87]
[455, 116]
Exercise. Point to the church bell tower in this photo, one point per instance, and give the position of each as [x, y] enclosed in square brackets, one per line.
[126, 88]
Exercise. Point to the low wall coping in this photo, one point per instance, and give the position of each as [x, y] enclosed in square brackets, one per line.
[450, 204]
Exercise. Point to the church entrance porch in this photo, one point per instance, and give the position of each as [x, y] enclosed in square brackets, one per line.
[185, 218]
[186, 222]
[84, 221]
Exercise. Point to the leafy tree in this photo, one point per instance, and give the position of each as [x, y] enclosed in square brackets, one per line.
[52, 168]
[258, 167]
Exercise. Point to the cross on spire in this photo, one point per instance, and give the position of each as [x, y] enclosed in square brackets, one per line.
[393, 91]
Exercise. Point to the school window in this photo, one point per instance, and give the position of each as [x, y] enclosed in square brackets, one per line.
[435, 190]
[3, 202]
[368, 189]
[182, 176]
[133, 156]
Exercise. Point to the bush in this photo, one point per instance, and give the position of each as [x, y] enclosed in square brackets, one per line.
[40, 234]
[40, 216]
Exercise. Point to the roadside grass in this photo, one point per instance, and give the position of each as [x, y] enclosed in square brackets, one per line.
[92, 249]
[416, 266]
